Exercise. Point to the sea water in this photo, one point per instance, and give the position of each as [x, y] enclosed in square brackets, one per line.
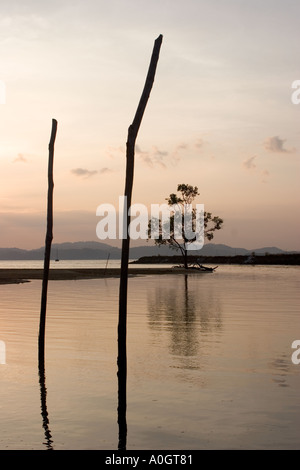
[209, 362]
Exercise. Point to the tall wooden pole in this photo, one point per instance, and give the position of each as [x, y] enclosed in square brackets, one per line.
[48, 241]
[122, 325]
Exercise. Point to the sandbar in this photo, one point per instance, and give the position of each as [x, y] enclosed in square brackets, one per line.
[18, 275]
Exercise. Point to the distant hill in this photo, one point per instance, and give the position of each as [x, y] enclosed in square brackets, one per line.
[97, 250]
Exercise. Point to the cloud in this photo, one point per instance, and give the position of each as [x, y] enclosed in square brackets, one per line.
[20, 158]
[199, 143]
[177, 152]
[176, 155]
[144, 156]
[113, 152]
[156, 156]
[249, 163]
[181, 146]
[83, 172]
[159, 153]
[152, 158]
[276, 145]
[265, 175]
[105, 170]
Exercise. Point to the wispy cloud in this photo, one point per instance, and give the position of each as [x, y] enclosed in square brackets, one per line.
[177, 152]
[157, 157]
[276, 145]
[105, 170]
[152, 158]
[113, 152]
[192, 146]
[249, 163]
[265, 175]
[82, 172]
[199, 143]
[159, 153]
[144, 156]
[181, 146]
[20, 158]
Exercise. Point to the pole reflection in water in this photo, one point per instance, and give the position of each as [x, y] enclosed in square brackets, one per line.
[44, 412]
[122, 401]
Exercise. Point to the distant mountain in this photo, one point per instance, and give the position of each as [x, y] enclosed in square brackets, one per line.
[98, 250]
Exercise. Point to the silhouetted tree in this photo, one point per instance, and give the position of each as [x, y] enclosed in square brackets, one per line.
[181, 240]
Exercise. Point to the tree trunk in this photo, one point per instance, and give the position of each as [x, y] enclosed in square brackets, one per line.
[48, 241]
[122, 325]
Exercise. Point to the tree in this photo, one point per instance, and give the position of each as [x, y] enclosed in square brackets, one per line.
[180, 239]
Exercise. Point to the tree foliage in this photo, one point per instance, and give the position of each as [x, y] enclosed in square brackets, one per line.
[179, 240]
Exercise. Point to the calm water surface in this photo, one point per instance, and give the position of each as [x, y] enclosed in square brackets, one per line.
[209, 362]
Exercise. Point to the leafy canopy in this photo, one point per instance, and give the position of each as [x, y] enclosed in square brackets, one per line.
[186, 196]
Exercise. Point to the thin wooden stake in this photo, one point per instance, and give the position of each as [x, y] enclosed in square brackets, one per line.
[48, 241]
[122, 325]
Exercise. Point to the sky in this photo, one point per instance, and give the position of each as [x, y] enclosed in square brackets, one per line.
[220, 115]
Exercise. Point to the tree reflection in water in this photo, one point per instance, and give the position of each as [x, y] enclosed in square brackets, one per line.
[189, 313]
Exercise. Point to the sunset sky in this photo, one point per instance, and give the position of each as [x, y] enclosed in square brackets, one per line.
[220, 115]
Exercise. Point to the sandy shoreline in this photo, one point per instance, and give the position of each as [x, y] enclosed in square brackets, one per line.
[16, 276]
